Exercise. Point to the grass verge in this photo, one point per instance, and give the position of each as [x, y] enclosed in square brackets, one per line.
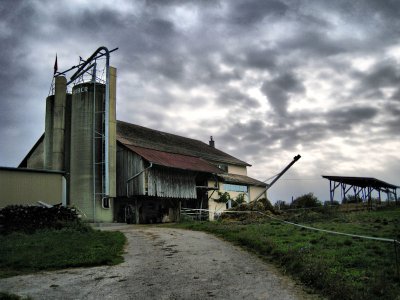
[339, 267]
[76, 246]
[7, 296]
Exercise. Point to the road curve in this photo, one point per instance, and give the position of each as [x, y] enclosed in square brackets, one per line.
[164, 263]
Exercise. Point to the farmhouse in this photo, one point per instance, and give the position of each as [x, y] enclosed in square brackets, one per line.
[117, 171]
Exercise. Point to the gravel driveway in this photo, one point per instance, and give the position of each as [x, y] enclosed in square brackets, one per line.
[164, 263]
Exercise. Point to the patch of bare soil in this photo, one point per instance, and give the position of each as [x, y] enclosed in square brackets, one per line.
[163, 263]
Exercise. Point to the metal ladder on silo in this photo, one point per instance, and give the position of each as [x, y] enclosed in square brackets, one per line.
[98, 137]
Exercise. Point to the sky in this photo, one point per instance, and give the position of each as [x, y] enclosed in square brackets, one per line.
[268, 79]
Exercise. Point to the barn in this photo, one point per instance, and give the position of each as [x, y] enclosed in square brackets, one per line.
[118, 171]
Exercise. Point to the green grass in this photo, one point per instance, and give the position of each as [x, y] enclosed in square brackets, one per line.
[56, 249]
[7, 296]
[339, 267]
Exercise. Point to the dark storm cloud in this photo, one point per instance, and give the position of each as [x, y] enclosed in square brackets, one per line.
[18, 21]
[279, 89]
[261, 59]
[253, 11]
[392, 118]
[343, 119]
[316, 43]
[231, 97]
[18, 18]
[220, 56]
[306, 129]
[383, 74]
[93, 21]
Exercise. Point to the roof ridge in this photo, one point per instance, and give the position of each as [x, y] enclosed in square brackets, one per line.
[164, 132]
[190, 146]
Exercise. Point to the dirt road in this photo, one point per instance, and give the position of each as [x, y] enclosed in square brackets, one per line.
[162, 263]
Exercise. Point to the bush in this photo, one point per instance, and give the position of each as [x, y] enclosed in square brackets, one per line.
[240, 199]
[281, 205]
[267, 205]
[352, 199]
[28, 219]
[305, 201]
[223, 197]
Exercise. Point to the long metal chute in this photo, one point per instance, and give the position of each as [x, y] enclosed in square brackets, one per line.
[296, 158]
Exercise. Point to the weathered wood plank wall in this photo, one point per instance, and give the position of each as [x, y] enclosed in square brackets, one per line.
[128, 165]
[171, 183]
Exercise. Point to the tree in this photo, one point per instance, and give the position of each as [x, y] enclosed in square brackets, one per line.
[281, 205]
[306, 200]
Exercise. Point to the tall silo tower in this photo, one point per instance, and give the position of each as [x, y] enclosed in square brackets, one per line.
[56, 126]
[89, 136]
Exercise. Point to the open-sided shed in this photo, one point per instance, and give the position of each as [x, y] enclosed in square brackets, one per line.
[361, 187]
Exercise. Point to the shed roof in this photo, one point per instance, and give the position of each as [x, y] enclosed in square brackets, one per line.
[241, 179]
[361, 181]
[135, 135]
[173, 160]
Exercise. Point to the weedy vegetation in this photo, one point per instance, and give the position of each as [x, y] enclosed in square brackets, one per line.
[339, 267]
[71, 243]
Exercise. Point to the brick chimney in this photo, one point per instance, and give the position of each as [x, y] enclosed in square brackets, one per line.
[212, 142]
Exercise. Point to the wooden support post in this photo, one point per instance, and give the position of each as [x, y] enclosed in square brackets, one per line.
[137, 221]
[343, 191]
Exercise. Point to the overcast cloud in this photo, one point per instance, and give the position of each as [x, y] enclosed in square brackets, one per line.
[268, 79]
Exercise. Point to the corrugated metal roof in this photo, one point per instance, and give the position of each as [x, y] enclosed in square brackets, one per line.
[131, 134]
[173, 160]
[361, 181]
[241, 179]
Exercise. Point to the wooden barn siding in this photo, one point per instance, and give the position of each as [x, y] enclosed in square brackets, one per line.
[171, 183]
[128, 165]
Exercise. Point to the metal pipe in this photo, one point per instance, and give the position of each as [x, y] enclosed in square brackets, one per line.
[79, 65]
[134, 176]
[94, 151]
[296, 158]
[92, 57]
[107, 128]
[83, 72]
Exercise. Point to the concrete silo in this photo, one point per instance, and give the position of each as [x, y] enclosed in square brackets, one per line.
[55, 126]
[85, 147]
[88, 164]
[80, 136]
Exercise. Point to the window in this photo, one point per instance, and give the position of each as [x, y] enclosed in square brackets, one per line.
[105, 203]
[235, 188]
[223, 167]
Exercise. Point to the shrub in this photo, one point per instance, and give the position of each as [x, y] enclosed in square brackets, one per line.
[352, 199]
[240, 198]
[223, 197]
[304, 201]
[267, 205]
[281, 205]
[28, 219]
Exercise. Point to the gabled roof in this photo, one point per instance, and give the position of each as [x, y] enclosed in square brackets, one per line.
[172, 160]
[24, 162]
[135, 135]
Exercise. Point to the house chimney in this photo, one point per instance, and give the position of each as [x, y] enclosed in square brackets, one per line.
[212, 142]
